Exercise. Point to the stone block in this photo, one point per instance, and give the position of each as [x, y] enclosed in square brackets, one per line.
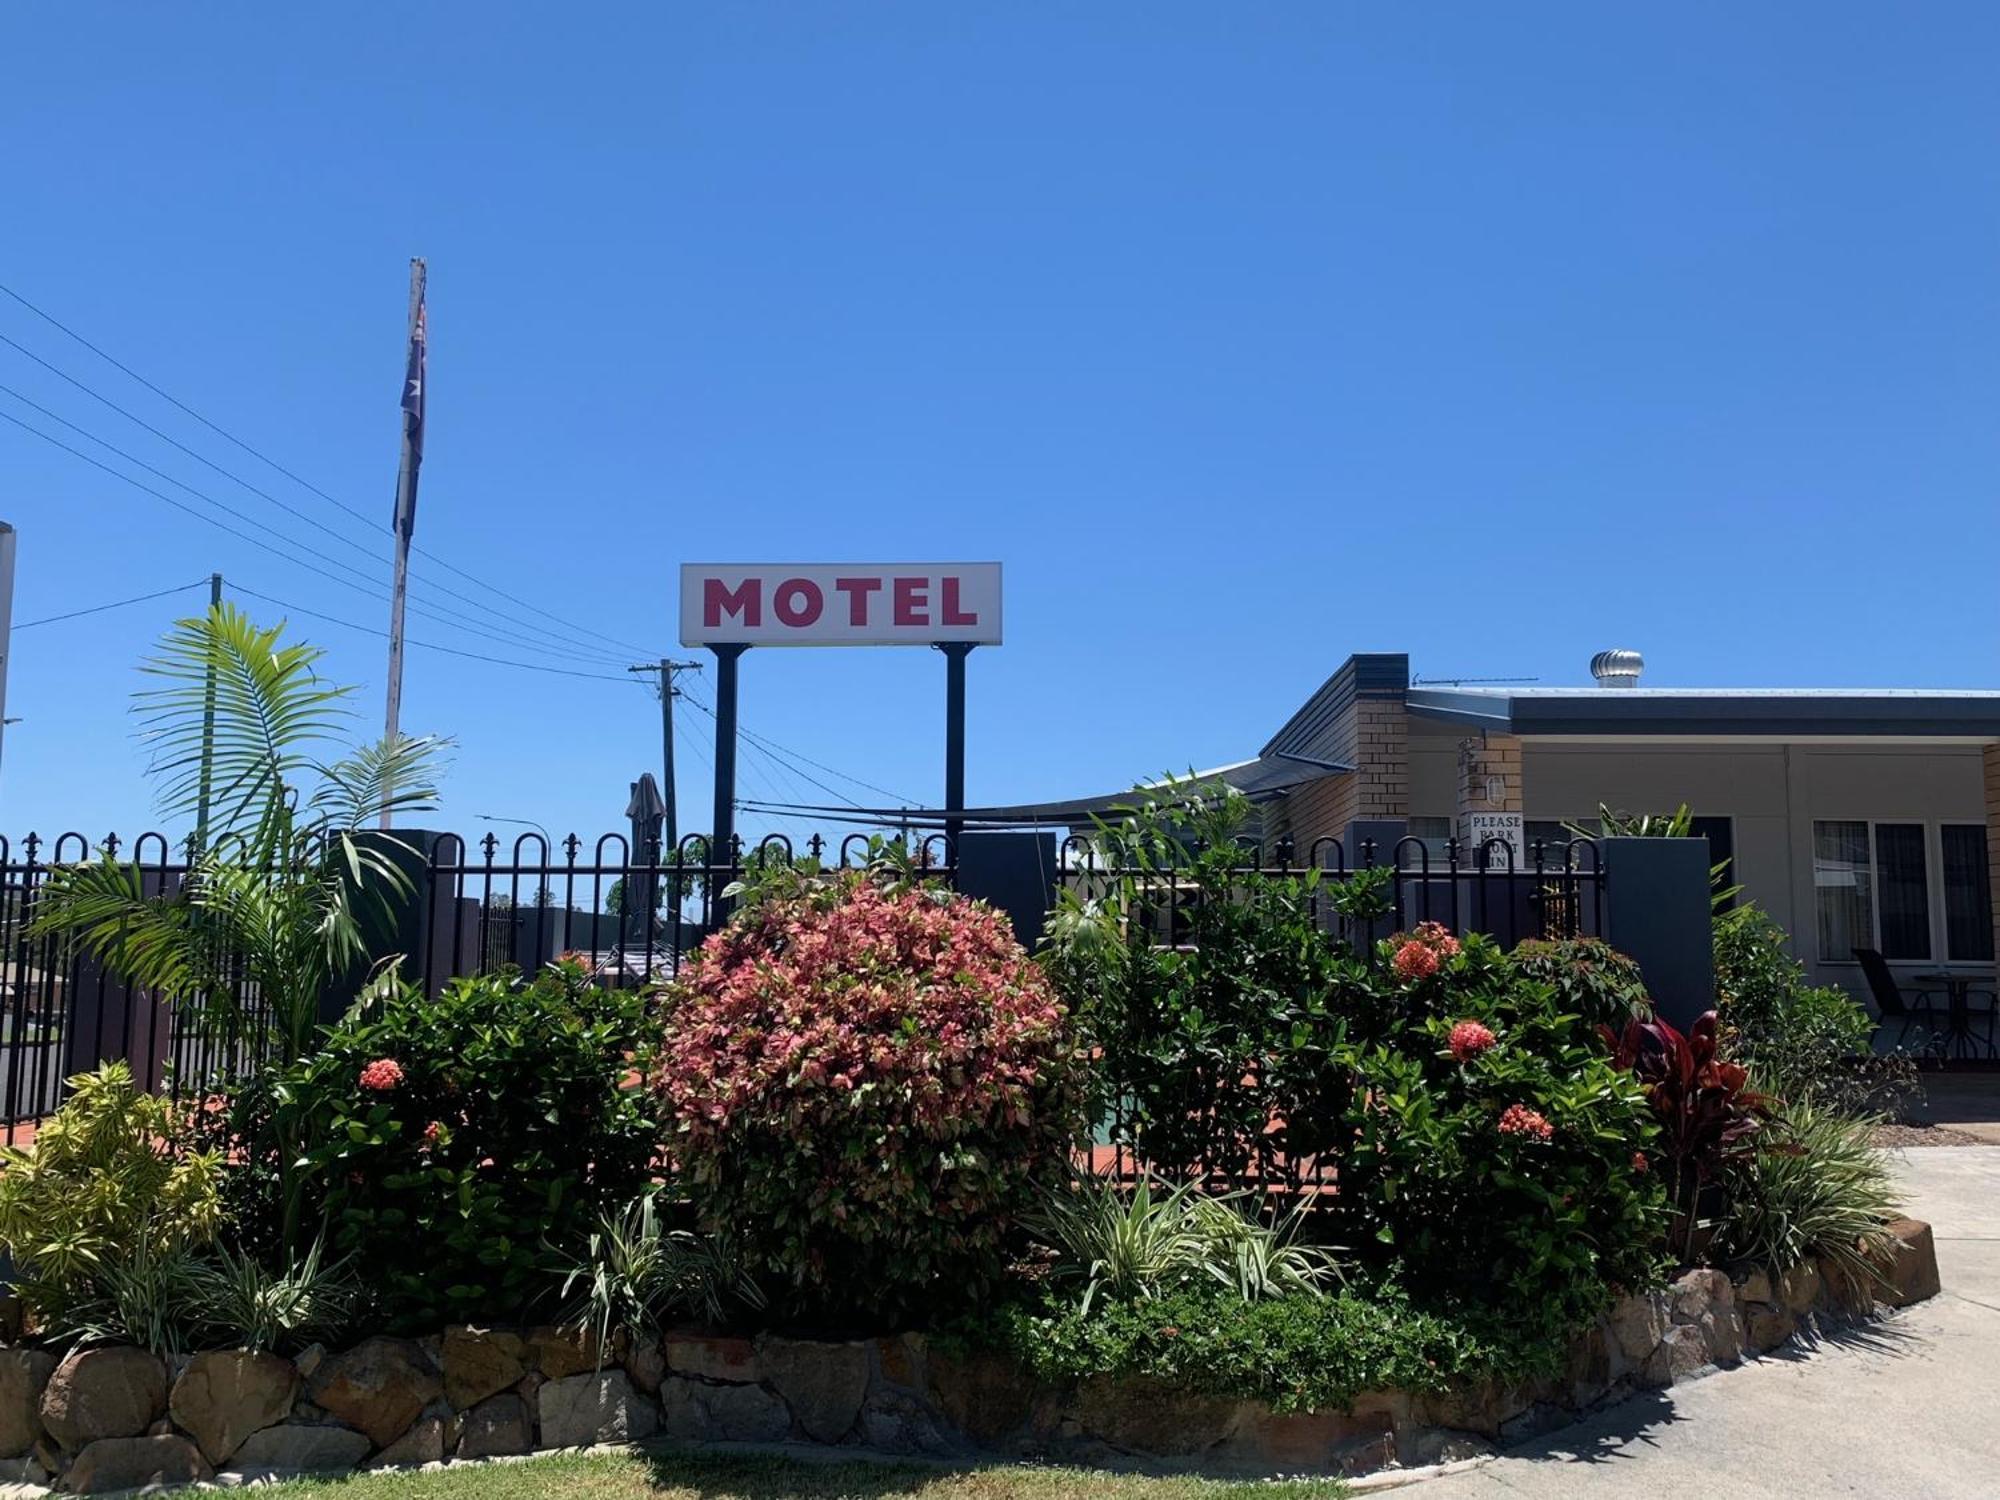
[559, 1352]
[712, 1358]
[293, 1448]
[822, 1383]
[1911, 1274]
[1151, 1417]
[225, 1395]
[497, 1426]
[1755, 1286]
[579, 1410]
[103, 1393]
[900, 1360]
[986, 1396]
[893, 1421]
[424, 1443]
[24, 1375]
[1799, 1288]
[699, 1412]
[480, 1362]
[1699, 1292]
[131, 1463]
[646, 1365]
[1686, 1350]
[1637, 1325]
[379, 1387]
[1304, 1442]
[1767, 1327]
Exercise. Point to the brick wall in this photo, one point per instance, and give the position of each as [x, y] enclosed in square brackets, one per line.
[1489, 776]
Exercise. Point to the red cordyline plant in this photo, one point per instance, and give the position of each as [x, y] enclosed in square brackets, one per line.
[861, 1078]
[1708, 1113]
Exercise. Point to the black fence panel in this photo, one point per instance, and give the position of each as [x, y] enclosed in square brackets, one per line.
[633, 917]
[62, 1012]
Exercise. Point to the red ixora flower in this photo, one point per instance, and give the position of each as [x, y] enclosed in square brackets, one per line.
[1640, 1164]
[1437, 936]
[382, 1074]
[1469, 1039]
[1518, 1119]
[1414, 961]
[431, 1133]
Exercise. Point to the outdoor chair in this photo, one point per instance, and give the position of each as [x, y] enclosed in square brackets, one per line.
[1888, 994]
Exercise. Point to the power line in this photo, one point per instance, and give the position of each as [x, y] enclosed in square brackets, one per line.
[98, 609]
[498, 661]
[570, 646]
[303, 483]
[773, 746]
[470, 627]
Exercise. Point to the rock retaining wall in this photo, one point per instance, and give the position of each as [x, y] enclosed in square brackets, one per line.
[120, 1418]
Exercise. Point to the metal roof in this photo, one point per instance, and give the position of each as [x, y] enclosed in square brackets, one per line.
[1807, 712]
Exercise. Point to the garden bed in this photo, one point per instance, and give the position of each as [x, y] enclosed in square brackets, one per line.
[118, 1417]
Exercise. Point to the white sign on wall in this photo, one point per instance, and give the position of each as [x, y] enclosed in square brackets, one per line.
[839, 604]
[1480, 829]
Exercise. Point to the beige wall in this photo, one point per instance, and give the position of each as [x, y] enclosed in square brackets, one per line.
[1773, 792]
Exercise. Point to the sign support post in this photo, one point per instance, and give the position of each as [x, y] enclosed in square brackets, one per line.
[723, 830]
[955, 653]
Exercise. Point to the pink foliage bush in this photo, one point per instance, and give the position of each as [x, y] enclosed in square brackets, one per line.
[858, 1083]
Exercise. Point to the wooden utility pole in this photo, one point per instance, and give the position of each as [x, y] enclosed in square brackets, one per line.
[207, 727]
[668, 670]
[406, 508]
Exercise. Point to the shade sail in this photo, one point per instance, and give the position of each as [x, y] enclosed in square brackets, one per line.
[1260, 780]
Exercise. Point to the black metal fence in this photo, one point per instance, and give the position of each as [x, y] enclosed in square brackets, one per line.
[632, 918]
[1555, 891]
[63, 1013]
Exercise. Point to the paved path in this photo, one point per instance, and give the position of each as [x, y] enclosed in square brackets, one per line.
[1910, 1407]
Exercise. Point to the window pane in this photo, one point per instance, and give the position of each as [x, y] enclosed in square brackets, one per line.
[1902, 885]
[1968, 893]
[1843, 890]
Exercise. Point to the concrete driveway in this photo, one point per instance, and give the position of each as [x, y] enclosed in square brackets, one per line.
[1907, 1407]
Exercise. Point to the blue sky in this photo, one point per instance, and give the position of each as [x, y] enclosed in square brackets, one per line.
[1244, 336]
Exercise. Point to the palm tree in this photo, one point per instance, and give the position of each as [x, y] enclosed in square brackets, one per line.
[279, 893]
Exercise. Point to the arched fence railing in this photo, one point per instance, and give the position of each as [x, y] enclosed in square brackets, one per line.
[634, 915]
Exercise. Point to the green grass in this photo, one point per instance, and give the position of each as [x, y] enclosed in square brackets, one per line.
[763, 1476]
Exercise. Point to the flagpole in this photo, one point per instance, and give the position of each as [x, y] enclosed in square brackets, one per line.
[405, 522]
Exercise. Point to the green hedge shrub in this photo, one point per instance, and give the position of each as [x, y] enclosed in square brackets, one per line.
[1496, 1151]
[1805, 1043]
[461, 1144]
[1588, 976]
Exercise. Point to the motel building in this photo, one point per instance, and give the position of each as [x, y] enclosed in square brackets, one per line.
[1857, 818]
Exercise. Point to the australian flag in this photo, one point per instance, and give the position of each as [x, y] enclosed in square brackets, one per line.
[413, 421]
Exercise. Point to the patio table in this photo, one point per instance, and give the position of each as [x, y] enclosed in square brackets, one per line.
[1958, 989]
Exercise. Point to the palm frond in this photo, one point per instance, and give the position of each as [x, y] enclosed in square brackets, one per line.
[157, 942]
[397, 776]
[237, 700]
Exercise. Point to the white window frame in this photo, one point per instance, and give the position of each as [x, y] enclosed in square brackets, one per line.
[1934, 900]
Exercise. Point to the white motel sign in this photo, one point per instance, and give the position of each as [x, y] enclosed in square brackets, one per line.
[840, 604]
